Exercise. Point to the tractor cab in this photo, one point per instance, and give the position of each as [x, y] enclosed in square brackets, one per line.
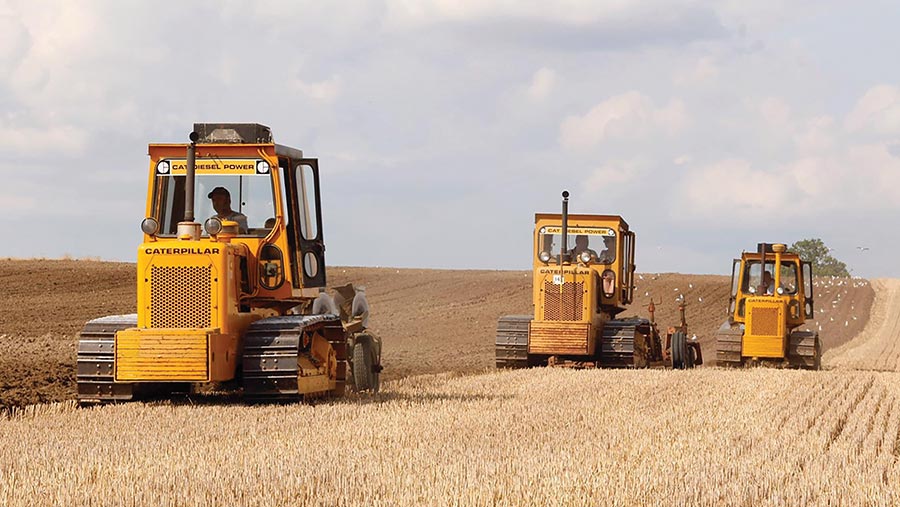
[591, 256]
[247, 191]
[775, 274]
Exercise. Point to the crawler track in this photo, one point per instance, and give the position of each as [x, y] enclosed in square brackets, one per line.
[274, 346]
[728, 346]
[512, 341]
[804, 350]
[96, 349]
[626, 343]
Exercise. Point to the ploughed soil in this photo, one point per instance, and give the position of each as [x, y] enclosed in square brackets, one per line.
[430, 321]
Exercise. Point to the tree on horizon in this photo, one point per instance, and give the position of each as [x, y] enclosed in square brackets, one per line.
[814, 251]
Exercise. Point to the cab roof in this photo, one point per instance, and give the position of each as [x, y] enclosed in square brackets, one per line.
[237, 134]
[582, 216]
[280, 149]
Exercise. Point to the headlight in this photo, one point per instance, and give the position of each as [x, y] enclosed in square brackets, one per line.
[586, 257]
[150, 226]
[609, 283]
[780, 290]
[213, 226]
[544, 257]
[752, 290]
[262, 167]
[163, 167]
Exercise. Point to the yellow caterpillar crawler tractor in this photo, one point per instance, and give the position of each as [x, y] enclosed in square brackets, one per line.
[771, 296]
[238, 299]
[583, 278]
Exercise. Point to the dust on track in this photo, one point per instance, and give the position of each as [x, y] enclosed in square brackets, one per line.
[432, 321]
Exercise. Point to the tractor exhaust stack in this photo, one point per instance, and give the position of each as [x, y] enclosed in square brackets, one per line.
[190, 177]
[189, 229]
[565, 227]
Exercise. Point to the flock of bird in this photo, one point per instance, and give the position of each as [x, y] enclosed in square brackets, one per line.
[836, 285]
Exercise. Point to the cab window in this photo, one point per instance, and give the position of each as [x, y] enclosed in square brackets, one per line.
[735, 277]
[600, 242]
[808, 278]
[753, 277]
[306, 193]
[250, 198]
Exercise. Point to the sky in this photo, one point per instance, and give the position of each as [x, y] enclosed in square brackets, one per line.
[442, 126]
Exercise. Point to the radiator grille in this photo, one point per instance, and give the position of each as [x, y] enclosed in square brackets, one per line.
[180, 297]
[764, 322]
[563, 305]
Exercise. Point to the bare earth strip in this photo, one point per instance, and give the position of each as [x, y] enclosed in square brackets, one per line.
[877, 347]
[431, 321]
[526, 437]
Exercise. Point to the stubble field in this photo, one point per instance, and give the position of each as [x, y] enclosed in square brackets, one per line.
[446, 430]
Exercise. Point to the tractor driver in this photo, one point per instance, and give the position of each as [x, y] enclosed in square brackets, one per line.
[768, 282]
[581, 245]
[221, 202]
[609, 250]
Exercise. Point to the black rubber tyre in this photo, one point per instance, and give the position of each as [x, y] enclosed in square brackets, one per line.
[679, 351]
[365, 378]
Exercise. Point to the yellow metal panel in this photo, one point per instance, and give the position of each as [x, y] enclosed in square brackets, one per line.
[756, 346]
[765, 330]
[312, 379]
[314, 384]
[148, 355]
[568, 338]
[222, 357]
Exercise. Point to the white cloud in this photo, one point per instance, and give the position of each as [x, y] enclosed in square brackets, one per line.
[815, 176]
[878, 111]
[681, 160]
[859, 178]
[542, 83]
[322, 91]
[60, 37]
[629, 115]
[817, 135]
[15, 205]
[704, 71]
[563, 24]
[14, 41]
[56, 140]
[729, 189]
[775, 112]
[409, 12]
[613, 174]
[874, 174]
